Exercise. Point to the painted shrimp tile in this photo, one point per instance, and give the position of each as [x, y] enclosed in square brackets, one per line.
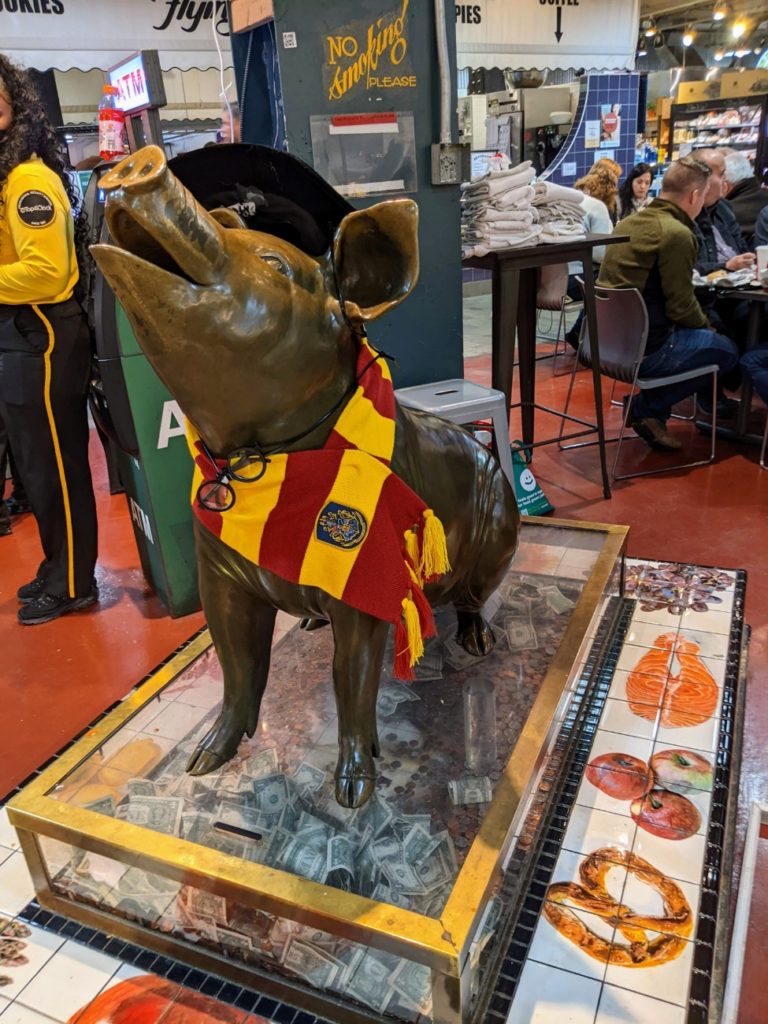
[590, 828]
[667, 979]
[620, 1006]
[619, 717]
[545, 994]
[680, 859]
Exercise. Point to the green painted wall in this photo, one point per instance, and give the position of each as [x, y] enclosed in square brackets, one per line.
[425, 332]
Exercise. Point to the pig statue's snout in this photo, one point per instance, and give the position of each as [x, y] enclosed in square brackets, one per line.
[141, 172]
[152, 215]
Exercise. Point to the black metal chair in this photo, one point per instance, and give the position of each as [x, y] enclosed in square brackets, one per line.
[623, 331]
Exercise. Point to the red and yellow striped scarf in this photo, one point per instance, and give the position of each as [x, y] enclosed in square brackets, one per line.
[339, 519]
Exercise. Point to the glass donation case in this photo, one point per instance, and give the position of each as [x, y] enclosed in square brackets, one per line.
[394, 911]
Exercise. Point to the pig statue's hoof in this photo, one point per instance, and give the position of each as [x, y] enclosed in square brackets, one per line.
[219, 746]
[355, 780]
[474, 634]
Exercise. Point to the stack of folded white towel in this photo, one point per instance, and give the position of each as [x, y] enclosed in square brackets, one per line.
[497, 211]
[560, 211]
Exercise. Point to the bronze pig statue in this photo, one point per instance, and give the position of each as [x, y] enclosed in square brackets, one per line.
[257, 340]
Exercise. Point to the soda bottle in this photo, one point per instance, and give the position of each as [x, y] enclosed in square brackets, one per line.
[111, 125]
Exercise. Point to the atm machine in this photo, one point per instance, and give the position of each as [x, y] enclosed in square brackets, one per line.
[129, 401]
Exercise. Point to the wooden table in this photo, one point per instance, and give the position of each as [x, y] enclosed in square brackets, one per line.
[514, 288]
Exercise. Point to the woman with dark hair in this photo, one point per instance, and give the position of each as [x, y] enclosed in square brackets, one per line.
[45, 350]
[633, 194]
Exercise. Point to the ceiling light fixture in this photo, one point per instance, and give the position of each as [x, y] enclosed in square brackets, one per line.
[739, 28]
[649, 27]
[720, 12]
[719, 54]
[688, 36]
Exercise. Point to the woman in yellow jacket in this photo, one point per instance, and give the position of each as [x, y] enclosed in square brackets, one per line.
[45, 351]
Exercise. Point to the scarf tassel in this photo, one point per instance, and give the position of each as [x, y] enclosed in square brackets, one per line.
[434, 550]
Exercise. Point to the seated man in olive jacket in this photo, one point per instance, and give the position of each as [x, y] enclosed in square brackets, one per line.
[658, 260]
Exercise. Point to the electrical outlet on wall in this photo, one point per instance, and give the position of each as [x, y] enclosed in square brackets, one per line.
[450, 163]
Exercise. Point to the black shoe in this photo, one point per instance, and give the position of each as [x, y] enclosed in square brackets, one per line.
[5, 528]
[572, 339]
[30, 591]
[48, 607]
[18, 506]
[726, 407]
[654, 433]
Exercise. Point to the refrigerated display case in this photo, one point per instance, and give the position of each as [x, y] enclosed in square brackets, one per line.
[735, 123]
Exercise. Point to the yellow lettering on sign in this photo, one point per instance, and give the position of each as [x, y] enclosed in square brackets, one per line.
[382, 41]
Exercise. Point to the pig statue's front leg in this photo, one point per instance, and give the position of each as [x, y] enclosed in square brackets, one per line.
[359, 651]
[241, 627]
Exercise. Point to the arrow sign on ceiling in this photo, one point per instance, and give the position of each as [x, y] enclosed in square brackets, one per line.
[558, 30]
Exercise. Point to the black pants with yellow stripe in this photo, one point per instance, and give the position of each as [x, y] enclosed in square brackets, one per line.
[45, 358]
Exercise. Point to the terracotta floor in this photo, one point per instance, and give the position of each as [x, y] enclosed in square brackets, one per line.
[56, 678]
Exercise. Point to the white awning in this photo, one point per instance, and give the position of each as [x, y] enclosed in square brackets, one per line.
[591, 34]
[80, 34]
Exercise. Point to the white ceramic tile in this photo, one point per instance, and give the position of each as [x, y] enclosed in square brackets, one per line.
[698, 773]
[5, 853]
[39, 947]
[15, 1013]
[643, 899]
[648, 634]
[116, 743]
[545, 995]
[630, 659]
[666, 981]
[16, 889]
[618, 1006]
[711, 621]
[551, 948]
[69, 981]
[618, 688]
[618, 717]
[175, 722]
[141, 720]
[704, 737]
[8, 838]
[202, 693]
[125, 973]
[679, 859]
[667, 620]
[591, 829]
[711, 645]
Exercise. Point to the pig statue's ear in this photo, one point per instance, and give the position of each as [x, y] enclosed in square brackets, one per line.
[376, 255]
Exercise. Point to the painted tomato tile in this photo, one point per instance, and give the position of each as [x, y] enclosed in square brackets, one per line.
[681, 859]
[619, 717]
[669, 976]
[672, 816]
[643, 689]
[617, 772]
[619, 1006]
[590, 829]
[704, 737]
[545, 994]
[681, 769]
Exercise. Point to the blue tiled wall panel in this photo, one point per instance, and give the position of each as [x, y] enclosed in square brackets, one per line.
[601, 89]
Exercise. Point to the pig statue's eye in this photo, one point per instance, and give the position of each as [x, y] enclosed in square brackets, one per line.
[276, 263]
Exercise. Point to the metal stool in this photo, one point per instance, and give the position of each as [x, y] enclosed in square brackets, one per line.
[463, 401]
